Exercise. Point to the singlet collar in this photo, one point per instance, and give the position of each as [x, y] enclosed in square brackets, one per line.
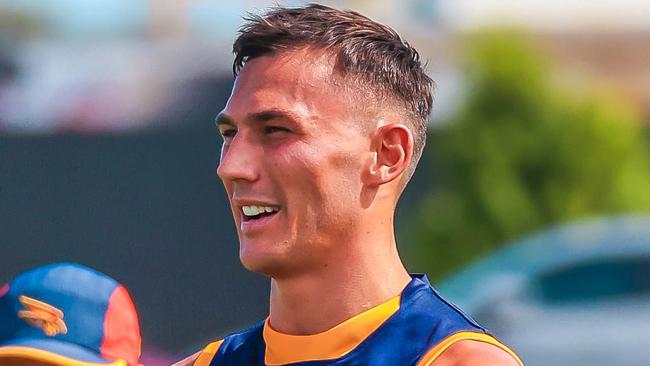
[333, 343]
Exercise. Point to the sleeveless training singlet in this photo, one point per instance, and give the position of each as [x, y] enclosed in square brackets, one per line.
[411, 329]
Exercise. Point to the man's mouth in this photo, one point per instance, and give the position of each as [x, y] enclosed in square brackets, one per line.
[258, 212]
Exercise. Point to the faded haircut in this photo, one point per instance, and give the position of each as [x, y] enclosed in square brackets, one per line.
[363, 49]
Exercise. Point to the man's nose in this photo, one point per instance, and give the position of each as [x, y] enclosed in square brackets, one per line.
[238, 161]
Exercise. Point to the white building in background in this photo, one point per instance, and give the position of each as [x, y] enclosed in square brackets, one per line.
[113, 63]
[605, 40]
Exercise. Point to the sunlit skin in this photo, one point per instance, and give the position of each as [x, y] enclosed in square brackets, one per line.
[294, 140]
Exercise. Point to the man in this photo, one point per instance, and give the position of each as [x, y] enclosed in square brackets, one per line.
[66, 314]
[323, 130]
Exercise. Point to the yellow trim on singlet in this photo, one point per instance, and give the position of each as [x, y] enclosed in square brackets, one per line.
[206, 356]
[342, 339]
[334, 343]
[49, 357]
[438, 349]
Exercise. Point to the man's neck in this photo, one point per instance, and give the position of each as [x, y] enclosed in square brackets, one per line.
[351, 284]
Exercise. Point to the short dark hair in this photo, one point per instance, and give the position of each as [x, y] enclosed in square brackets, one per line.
[372, 52]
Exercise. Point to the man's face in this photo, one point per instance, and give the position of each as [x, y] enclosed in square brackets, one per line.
[294, 147]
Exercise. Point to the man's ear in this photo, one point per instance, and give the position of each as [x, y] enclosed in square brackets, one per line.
[393, 148]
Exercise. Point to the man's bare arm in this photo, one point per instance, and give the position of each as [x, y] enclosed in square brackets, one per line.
[474, 353]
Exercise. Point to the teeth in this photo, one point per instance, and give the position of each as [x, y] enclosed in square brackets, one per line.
[256, 210]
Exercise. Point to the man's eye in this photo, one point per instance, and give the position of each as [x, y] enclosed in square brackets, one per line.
[273, 129]
[228, 132]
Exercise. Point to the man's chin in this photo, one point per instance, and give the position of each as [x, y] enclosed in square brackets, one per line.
[263, 263]
[274, 265]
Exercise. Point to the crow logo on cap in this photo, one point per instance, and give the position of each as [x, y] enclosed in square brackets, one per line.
[41, 315]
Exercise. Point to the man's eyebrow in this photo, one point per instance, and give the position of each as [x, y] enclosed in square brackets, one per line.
[262, 116]
[271, 114]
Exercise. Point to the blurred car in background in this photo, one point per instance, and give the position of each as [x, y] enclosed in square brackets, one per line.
[572, 295]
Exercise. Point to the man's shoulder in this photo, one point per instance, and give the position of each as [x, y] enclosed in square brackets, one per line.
[475, 353]
[239, 339]
[202, 357]
[232, 342]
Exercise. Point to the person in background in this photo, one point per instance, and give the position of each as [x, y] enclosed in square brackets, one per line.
[323, 130]
[66, 314]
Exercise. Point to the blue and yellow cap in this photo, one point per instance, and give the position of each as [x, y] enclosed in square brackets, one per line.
[69, 315]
